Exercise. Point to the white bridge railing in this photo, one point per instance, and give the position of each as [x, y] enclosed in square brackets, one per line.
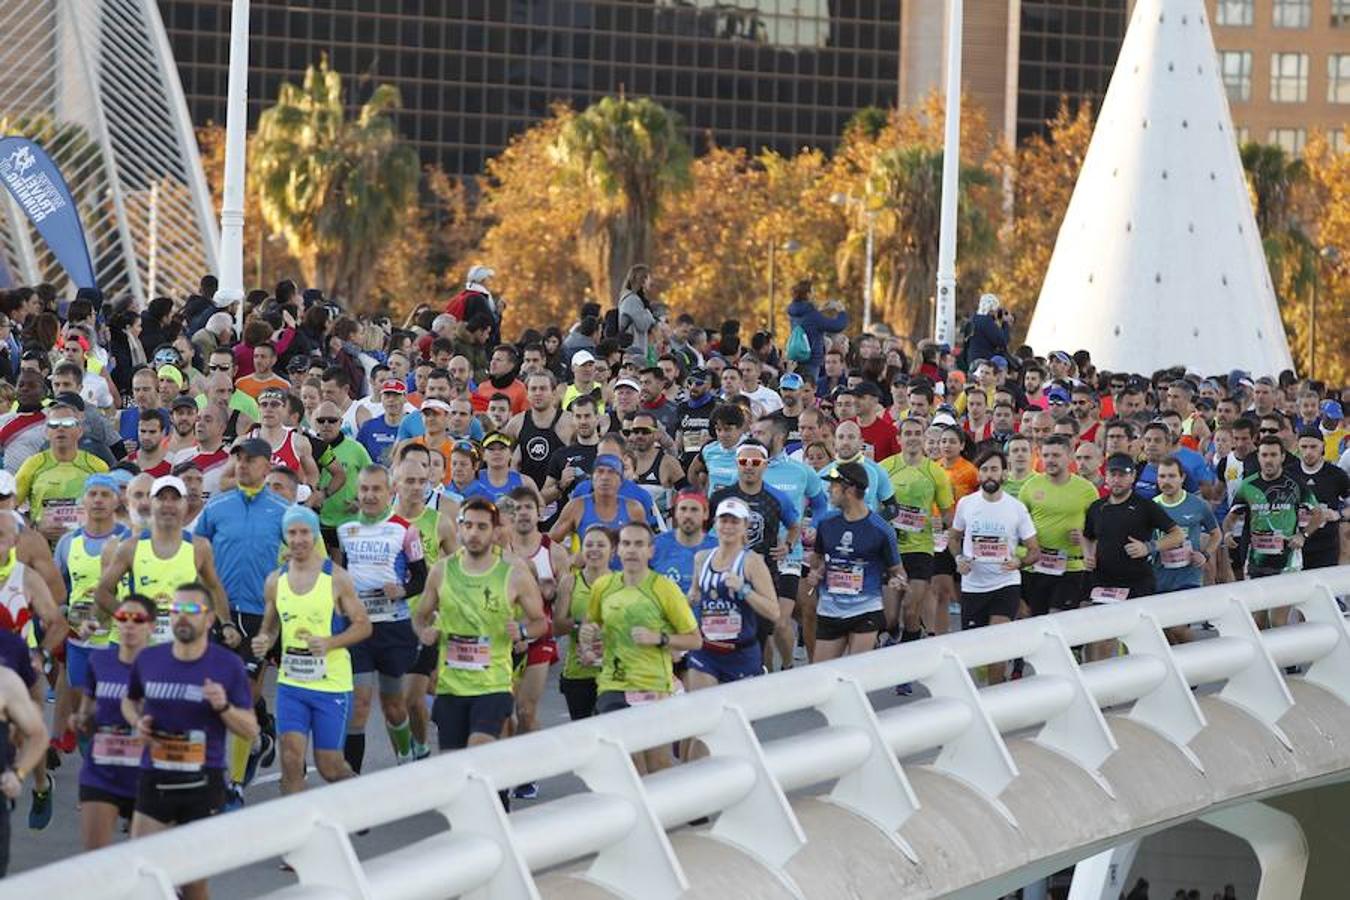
[858, 758]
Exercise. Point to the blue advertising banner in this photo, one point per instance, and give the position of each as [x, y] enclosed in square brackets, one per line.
[37, 185]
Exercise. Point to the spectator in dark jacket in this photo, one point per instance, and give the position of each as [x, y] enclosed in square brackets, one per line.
[816, 322]
[124, 346]
[155, 324]
[989, 330]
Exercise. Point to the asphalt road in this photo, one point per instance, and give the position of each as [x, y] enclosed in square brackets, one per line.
[60, 842]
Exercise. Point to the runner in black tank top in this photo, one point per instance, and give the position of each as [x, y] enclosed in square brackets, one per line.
[537, 446]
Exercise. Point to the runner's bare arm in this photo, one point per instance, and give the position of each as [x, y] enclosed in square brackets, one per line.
[206, 570]
[309, 470]
[26, 718]
[115, 563]
[761, 593]
[34, 552]
[567, 521]
[524, 590]
[269, 629]
[426, 610]
[563, 624]
[54, 625]
[349, 605]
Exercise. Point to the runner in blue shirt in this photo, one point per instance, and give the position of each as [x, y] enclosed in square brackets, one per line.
[716, 462]
[802, 486]
[673, 551]
[855, 558]
[1183, 567]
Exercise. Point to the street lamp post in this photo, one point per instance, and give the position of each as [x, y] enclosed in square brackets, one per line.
[944, 330]
[231, 290]
[845, 200]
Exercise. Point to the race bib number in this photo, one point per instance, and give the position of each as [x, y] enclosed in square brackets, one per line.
[468, 652]
[379, 608]
[1052, 562]
[911, 519]
[844, 578]
[298, 664]
[939, 541]
[989, 548]
[1108, 594]
[65, 513]
[790, 568]
[178, 752]
[722, 626]
[1177, 557]
[1267, 542]
[114, 746]
[638, 698]
[694, 441]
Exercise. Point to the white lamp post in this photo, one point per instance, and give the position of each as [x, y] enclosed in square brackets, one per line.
[944, 328]
[845, 200]
[231, 288]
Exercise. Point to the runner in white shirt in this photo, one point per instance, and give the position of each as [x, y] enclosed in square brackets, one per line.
[988, 527]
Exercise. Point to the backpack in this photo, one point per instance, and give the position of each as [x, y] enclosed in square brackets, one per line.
[617, 327]
[798, 347]
[458, 304]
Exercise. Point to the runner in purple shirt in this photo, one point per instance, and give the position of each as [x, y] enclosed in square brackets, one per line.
[112, 762]
[183, 697]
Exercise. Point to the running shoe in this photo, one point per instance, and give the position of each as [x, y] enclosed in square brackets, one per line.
[40, 813]
[527, 791]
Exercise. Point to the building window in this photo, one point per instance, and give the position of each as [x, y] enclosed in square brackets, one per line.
[1288, 77]
[1244, 134]
[1338, 78]
[1289, 139]
[1340, 13]
[1236, 66]
[1292, 13]
[1338, 141]
[1235, 12]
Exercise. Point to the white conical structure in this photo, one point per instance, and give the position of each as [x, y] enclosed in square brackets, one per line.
[1158, 261]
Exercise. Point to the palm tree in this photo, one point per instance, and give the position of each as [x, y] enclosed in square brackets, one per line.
[336, 189]
[628, 156]
[1275, 178]
[904, 191]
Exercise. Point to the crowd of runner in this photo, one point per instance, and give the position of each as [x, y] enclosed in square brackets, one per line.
[218, 550]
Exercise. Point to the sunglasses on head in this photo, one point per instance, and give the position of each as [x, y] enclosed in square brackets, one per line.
[132, 615]
[187, 607]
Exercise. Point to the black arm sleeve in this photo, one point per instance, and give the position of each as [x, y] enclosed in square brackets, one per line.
[417, 578]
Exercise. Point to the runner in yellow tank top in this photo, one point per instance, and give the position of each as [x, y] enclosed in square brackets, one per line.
[478, 593]
[162, 559]
[314, 686]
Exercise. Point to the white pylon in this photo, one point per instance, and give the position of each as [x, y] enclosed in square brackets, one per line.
[1158, 261]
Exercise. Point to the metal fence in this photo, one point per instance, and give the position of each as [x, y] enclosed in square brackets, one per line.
[618, 826]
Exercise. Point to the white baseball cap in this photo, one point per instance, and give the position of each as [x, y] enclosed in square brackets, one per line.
[168, 481]
[733, 506]
[581, 357]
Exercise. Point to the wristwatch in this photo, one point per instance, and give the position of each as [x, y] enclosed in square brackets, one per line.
[665, 640]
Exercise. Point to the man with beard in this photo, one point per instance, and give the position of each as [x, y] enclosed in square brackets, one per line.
[540, 430]
[693, 420]
[1058, 502]
[569, 464]
[655, 470]
[674, 551]
[988, 526]
[182, 442]
[183, 698]
[501, 380]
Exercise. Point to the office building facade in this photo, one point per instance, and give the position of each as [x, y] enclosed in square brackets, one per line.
[779, 74]
[1286, 68]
